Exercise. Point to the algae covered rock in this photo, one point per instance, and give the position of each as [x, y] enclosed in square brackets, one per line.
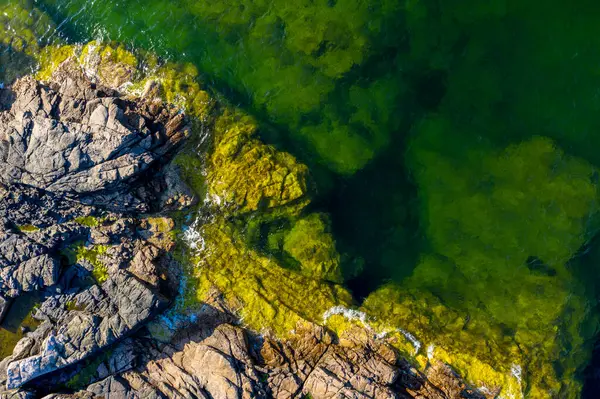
[267, 296]
[496, 297]
[249, 175]
[311, 243]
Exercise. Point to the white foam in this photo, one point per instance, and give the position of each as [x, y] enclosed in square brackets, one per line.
[413, 340]
[430, 350]
[351, 314]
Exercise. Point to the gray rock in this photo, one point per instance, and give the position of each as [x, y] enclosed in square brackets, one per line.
[70, 150]
[107, 315]
[75, 140]
[4, 305]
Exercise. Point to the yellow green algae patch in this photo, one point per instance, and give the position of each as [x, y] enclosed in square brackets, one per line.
[267, 296]
[496, 297]
[79, 252]
[179, 86]
[88, 221]
[311, 243]
[249, 175]
[27, 228]
[190, 167]
[50, 57]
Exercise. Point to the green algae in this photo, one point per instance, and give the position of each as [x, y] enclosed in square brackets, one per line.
[88, 221]
[253, 284]
[17, 321]
[248, 175]
[79, 252]
[490, 215]
[111, 63]
[22, 28]
[28, 228]
[312, 245]
[180, 86]
[190, 166]
[50, 57]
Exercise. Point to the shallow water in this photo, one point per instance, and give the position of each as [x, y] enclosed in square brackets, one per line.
[454, 143]
[17, 321]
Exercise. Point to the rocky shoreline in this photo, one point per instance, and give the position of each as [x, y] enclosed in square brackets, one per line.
[79, 164]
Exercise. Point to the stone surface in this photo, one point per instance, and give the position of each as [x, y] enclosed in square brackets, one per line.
[83, 141]
[71, 151]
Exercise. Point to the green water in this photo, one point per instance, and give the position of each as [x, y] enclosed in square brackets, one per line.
[17, 321]
[454, 143]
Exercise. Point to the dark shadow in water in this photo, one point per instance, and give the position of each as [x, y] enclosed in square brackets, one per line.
[584, 266]
[591, 381]
[19, 311]
[374, 218]
[14, 64]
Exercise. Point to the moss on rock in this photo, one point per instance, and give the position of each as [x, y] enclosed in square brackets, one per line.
[78, 252]
[50, 57]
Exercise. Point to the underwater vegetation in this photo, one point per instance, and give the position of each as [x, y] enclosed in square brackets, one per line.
[292, 62]
[460, 139]
[23, 31]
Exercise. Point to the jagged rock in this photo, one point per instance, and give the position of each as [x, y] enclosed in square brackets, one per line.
[310, 362]
[70, 150]
[174, 193]
[25, 265]
[77, 139]
[218, 360]
[107, 315]
[4, 305]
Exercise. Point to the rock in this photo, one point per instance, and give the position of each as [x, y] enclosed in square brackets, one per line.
[17, 394]
[108, 315]
[4, 305]
[174, 193]
[70, 150]
[76, 139]
[310, 362]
